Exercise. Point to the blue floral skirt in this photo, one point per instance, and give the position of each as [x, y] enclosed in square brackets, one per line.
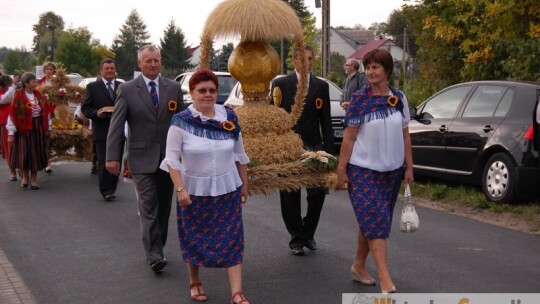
[210, 230]
[373, 197]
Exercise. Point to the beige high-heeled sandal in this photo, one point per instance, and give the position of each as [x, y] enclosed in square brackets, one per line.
[355, 277]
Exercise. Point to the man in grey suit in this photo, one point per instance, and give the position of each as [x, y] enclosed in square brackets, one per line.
[147, 103]
[355, 80]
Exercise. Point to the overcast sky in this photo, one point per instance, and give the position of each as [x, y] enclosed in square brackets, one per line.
[104, 17]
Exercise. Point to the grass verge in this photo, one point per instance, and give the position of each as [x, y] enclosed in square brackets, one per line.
[470, 201]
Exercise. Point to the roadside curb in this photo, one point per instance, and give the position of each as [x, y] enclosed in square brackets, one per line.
[12, 288]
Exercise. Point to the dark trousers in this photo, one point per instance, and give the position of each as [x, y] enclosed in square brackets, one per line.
[301, 229]
[107, 181]
[155, 194]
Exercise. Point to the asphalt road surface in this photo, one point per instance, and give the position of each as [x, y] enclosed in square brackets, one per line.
[70, 246]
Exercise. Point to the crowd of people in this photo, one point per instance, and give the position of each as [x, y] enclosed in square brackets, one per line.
[197, 152]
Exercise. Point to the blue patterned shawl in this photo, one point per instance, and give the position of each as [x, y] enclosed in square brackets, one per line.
[211, 128]
[365, 106]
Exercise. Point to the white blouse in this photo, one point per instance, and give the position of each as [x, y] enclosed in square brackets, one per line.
[379, 144]
[208, 166]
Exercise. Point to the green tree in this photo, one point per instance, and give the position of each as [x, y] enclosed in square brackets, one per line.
[175, 57]
[305, 16]
[133, 35]
[43, 42]
[337, 73]
[75, 51]
[18, 61]
[220, 58]
[462, 40]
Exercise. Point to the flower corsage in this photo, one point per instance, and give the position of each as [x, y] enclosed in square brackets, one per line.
[392, 100]
[172, 105]
[228, 125]
[318, 103]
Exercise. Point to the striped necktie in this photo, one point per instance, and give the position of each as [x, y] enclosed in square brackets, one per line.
[110, 89]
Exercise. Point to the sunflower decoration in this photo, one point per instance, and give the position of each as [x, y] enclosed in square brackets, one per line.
[318, 103]
[172, 105]
[392, 100]
[228, 126]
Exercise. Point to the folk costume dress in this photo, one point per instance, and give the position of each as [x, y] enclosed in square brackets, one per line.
[205, 151]
[6, 98]
[29, 121]
[375, 169]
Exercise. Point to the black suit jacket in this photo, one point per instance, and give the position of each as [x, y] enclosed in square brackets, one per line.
[96, 97]
[314, 121]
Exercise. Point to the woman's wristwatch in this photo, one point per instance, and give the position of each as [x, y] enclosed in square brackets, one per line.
[179, 189]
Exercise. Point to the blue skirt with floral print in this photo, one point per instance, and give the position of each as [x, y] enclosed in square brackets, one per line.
[373, 197]
[210, 230]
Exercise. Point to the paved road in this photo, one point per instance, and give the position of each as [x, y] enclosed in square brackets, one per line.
[70, 246]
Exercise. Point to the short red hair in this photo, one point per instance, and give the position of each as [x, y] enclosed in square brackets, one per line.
[201, 75]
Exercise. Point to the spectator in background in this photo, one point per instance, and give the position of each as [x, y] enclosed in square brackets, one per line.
[98, 105]
[49, 68]
[7, 91]
[28, 125]
[355, 80]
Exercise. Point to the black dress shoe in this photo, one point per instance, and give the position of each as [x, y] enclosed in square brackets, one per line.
[157, 266]
[297, 250]
[109, 197]
[93, 170]
[311, 244]
[34, 187]
[48, 170]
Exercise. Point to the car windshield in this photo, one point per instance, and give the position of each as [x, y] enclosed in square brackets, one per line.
[226, 85]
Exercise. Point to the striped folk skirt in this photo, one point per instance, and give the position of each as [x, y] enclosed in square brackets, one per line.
[373, 197]
[4, 147]
[210, 230]
[29, 151]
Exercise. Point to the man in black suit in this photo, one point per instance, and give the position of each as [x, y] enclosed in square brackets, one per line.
[315, 119]
[97, 106]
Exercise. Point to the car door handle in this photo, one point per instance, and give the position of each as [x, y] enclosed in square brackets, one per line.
[443, 128]
[487, 128]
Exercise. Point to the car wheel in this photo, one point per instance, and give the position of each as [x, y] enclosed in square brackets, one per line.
[499, 178]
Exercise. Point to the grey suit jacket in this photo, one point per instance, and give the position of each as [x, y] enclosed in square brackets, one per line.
[147, 130]
[358, 80]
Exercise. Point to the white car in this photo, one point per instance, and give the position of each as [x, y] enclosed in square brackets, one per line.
[86, 81]
[336, 111]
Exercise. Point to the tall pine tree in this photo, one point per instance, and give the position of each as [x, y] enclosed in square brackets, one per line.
[133, 35]
[175, 57]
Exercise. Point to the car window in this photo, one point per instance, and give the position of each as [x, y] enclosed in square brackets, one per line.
[505, 103]
[226, 84]
[484, 101]
[445, 104]
[185, 82]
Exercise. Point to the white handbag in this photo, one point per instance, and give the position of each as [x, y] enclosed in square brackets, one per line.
[409, 218]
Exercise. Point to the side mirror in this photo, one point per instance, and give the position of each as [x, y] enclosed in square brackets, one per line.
[424, 118]
[413, 111]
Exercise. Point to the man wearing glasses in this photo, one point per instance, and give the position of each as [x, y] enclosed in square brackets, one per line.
[355, 80]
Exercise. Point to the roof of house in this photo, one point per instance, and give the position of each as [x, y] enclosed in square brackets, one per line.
[371, 45]
[193, 49]
[355, 38]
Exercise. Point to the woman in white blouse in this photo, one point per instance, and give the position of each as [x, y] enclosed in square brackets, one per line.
[376, 145]
[207, 162]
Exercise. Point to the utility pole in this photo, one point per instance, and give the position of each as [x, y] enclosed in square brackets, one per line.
[326, 37]
[52, 27]
[405, 57]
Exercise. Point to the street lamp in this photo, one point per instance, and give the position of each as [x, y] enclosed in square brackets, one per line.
[52, 27]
